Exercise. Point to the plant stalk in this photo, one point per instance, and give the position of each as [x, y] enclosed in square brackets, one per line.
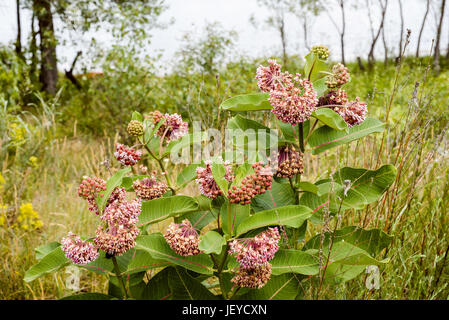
[120, 278]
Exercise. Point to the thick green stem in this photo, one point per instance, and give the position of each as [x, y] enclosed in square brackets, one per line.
[120, 278]
[161, 165]
[301, 137]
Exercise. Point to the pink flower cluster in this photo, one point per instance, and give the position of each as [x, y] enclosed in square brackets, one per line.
[77, 250]
[252, 185]
[254, 278]
[267, 77]
[172, 128]
[340, 76]
[126, 155]
[257, 251]
[149, 188]
[206, 182]
[120, 231]
[183, 238]
[293, 99]
[254, 256]
[354, 112]
[290, 162]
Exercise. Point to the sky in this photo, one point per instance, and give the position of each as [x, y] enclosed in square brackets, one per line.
[259, 40]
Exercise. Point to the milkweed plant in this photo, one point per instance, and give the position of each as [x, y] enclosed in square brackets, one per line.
[256, 228]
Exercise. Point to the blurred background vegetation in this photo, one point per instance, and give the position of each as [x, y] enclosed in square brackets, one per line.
[58, 125]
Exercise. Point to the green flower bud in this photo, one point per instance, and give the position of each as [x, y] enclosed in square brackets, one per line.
[135, 128]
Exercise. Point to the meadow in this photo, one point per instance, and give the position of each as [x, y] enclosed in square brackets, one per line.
[49, 143]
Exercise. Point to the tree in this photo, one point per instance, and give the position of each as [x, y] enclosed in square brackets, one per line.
[341, 29]
[422, 27]
[205, 54]
[305, 11]
[436, 57]
[401, 37]
[126, 20]
[277, 20]
[375, 35]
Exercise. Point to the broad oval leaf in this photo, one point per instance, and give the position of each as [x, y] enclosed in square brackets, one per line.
[330, 118]
[162, 208]
[158, 248]
[282, 287]
[326, 138]
[280, 195]
[142, 261]
[211, 242]
[51, 262]
[185, 287]
[313, 67]
[294, 261]
[292, 216]
[247, 102]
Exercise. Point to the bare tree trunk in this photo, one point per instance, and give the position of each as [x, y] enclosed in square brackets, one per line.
[49, 72]
[422, 28]
[385, 47]
[306, 33]
[342, 34]
[19, 31]
[436, 58]
[283, 40]
[401, 13]
[371, 58]
[33, 49]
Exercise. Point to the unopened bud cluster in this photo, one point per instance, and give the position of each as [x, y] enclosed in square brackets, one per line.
[333, 98]
[126, 155]
[290, 162]
[135, 128]
[206, 182]
[90, 189]
[252, 185]
[183, 238]
[149, 188]
[340, 76]
[322, 52]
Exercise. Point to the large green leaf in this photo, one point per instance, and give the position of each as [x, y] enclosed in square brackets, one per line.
[282, 287]
[185, 287]
[247, 102]
[353, 250]
[293, 216]
[45, 249]
[362, 187]
[294, 261]
[187, 175]
[199, 219]
[325, 138]
[320, 86]
[156, 289]
[330, 118]
[186, 141]
[219, 172]
[313, 67]
[111, 184]
[142, 260]
[162, 208]
[280, 195]
[211, 242]
[238, 214]
[51, 262]
[158, 248]
[372, 241]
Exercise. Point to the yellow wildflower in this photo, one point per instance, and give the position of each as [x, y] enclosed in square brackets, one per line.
[28, 218]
